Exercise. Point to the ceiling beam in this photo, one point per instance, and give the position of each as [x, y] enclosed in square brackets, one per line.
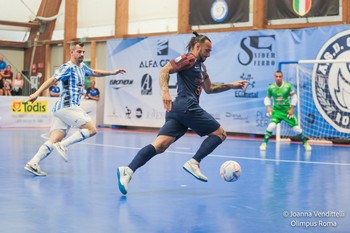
[19, 24]
[183, 16]
[35, 54]
[70, 26]
[121, 18]
[4, 43]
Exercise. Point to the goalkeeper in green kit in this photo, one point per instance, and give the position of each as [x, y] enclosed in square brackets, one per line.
[283, 109]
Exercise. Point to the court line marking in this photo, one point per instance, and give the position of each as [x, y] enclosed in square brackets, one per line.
[45, 135]
[227, 156]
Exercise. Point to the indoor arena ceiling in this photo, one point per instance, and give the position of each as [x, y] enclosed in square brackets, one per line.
[15, 19]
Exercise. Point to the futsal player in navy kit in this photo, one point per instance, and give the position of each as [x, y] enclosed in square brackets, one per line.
[184, 112]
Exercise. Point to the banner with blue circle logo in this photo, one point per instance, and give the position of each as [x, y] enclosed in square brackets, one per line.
[204, 12]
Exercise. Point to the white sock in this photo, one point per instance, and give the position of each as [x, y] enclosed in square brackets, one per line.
[76, 137]
[44, 150]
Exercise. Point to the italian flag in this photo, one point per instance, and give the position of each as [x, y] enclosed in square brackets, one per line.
[302, 7]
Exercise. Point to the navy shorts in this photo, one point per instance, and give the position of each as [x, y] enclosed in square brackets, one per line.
[180, 119]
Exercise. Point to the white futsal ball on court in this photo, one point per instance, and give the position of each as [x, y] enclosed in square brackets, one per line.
[230, 171]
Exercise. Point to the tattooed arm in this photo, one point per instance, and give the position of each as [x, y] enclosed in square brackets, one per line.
[164, 76]
[210, 87]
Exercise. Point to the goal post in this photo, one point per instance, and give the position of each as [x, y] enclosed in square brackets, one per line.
[323, 90]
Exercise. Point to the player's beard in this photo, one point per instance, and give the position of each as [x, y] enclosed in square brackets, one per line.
[201, 58]
[80, 59]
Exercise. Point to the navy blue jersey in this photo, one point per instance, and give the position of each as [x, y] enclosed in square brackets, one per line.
[186, 112]
[191, 74]
[92, 92]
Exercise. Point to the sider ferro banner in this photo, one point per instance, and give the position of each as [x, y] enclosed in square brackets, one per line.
[205, 12]
[285, 9]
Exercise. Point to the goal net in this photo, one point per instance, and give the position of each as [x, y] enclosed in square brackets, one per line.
[323, 90]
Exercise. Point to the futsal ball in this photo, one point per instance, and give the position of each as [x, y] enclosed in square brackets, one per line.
[230, 171]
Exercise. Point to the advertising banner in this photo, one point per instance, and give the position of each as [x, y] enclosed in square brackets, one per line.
[16, 112]
[134, 99]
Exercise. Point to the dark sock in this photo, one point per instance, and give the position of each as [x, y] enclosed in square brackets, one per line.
[303, 139]
[207, 146]
[267, 136]
[142, 157]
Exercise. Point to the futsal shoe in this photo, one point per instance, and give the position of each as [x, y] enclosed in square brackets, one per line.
[307, 146]
[124, 177]
[34, 169]
[62, 150]
[192, 167]
[263, 146]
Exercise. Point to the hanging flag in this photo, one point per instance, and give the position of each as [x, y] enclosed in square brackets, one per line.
[205, 12]
[286, 9]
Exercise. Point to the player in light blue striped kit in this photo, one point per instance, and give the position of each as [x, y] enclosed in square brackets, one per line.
[67, 111]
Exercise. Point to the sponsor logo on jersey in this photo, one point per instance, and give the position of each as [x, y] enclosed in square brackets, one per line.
[331, 82]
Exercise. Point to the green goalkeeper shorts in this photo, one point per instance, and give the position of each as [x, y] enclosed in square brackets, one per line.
[278, 116]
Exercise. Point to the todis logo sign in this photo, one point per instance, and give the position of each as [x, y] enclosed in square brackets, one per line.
[331, 82]
[24, 107]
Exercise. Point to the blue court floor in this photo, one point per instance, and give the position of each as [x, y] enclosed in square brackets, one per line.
[282, 190]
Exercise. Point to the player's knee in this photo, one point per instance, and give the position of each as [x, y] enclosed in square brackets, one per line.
[162, 143]
[271, 126]
[297, 129]
[161, 148]
[88, 132]
[57, 135]
[221, 133]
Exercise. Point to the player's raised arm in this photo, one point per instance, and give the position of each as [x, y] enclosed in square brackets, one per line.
[100, 73]
[210, 87]
[42, 88]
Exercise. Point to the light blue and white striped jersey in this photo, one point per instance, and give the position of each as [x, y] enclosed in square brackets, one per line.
[72, 78]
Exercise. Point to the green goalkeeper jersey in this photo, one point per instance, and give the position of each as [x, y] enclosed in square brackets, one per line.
[280, 96]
